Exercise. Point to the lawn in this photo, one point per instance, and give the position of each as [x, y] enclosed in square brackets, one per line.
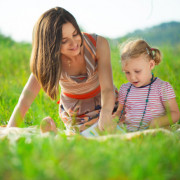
[36, 157]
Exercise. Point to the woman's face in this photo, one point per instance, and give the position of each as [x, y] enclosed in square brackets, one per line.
[71, 40]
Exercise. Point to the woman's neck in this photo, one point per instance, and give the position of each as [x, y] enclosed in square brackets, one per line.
[75, 65]
[73, 58]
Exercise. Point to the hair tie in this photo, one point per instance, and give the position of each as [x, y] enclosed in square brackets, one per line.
[152, 49]
[147, 50]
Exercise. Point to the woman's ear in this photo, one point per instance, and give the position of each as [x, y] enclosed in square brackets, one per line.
[152, 64]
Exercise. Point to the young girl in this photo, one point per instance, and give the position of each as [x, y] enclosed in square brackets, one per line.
[145, 100]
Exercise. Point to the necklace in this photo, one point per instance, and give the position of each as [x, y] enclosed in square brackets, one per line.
[69, 63]
[147, 99]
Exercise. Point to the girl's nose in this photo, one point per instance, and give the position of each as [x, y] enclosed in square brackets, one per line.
[133, 77]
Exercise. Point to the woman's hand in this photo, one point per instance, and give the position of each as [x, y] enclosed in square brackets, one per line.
[106, 122]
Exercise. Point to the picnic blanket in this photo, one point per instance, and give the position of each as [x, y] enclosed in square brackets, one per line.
[14, 133]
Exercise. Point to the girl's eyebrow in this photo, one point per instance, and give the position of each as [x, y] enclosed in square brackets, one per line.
[72, 33]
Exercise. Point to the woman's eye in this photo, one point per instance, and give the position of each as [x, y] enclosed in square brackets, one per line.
[64, 42]
[75, 34]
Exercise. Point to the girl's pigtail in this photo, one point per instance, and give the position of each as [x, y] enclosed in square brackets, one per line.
[157, 56]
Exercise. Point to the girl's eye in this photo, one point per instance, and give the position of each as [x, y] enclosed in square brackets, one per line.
[127, 73]
[137, 72]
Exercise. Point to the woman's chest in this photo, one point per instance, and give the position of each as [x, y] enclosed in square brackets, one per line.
[75, 68]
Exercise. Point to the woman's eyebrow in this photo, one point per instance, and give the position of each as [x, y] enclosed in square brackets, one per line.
[72, 33]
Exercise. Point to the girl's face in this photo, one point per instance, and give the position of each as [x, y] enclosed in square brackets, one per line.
[71, 40]
[138, 70]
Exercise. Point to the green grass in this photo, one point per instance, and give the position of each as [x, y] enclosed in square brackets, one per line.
[144, 157]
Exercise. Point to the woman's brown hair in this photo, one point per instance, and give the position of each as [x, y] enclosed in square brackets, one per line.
[45, 62]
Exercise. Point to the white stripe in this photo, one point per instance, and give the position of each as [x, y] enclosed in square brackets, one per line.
[136, 102]
[87, 60]
[91, 47]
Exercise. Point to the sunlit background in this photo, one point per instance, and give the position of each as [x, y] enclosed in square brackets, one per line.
[110, 18]
[26, 154]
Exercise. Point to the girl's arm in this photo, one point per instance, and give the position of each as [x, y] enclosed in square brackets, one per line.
[118, 112]
[106, 83]
[26, 98]
[171, 107]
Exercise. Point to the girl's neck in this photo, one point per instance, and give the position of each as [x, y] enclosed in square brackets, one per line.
[151, 81]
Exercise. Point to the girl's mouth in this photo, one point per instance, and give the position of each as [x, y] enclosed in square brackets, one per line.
[135, 83]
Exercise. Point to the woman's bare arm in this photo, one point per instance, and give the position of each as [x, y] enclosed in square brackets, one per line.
[26, 98]
[106, 83]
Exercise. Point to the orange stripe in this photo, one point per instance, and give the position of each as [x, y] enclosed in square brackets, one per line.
[91, 38]
[81, 78]
[89, 50]
[58, 102]
[91, 94]
[83, 115]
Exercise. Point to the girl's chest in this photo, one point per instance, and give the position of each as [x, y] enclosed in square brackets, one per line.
[140, 99]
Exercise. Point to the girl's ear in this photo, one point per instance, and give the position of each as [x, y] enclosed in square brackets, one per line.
[152, 64]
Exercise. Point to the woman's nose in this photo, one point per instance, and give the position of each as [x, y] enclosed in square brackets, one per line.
[72, 42]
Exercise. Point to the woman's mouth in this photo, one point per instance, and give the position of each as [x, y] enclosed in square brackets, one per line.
[75, 48]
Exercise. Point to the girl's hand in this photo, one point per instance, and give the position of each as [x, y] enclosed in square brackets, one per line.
[117, 115]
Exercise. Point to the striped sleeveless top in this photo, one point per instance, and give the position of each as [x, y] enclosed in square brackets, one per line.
[83, 86]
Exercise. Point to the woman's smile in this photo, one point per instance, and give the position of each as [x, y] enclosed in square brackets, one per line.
[71, 41]
[74, 48]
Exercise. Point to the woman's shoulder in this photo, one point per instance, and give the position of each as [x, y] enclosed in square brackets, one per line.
[94, 38]
[90, 37]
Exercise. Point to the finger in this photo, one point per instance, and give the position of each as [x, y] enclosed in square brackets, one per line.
[100, 127]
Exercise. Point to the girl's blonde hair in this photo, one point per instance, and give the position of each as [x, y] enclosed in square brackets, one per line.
[135, 48]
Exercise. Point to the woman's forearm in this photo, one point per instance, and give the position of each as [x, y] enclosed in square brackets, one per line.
[16, 117]
[20, 110]
[107, 101]
[105, 118]
[27, 96]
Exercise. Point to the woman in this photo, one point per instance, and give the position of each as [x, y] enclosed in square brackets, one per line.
[80, 63]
